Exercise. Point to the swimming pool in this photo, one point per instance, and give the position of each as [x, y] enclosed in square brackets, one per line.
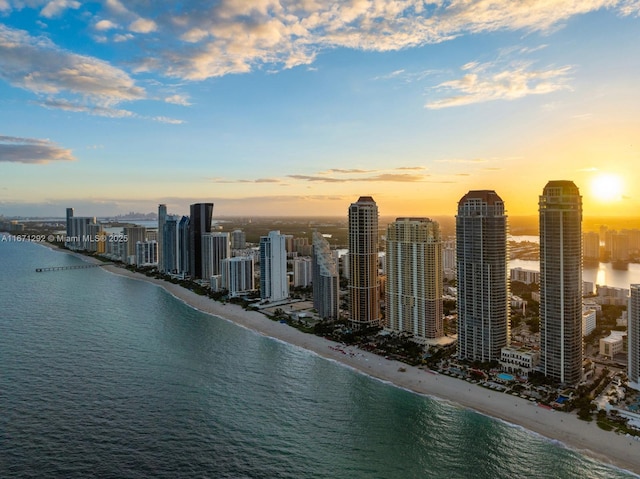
[506, 377]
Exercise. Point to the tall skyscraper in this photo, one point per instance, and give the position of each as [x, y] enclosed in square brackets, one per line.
[274, 282]
[414, 278]
[184, 252]
[482, 272]
[69, 221]
[199, 223]
[326, 279]
[364, 284]
[215, 248]
[162, 217]
[591, 247]
[169, 245]
[560, 209]
[633, 337]
[238, 275]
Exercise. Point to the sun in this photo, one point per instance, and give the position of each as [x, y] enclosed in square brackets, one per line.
[607, 187]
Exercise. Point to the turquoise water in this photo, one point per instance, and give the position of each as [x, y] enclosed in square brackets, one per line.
[505, 377]
[103, 376]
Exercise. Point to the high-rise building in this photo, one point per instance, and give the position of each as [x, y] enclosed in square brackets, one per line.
[274, 282]
[162, 218]
[482, 272]
[238, 239]
[591, 247]
[134, 234]
[169, 247]
[364, 284]
[215, 248]
[560, 209]
[199, 223]
[326, 280]
[69, 220]
[79, 237]
[238, 275]
[302, 271]
[184, 248]
[414, 278]
[633, 337]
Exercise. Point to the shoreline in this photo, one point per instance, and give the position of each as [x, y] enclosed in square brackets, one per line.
[565, 428]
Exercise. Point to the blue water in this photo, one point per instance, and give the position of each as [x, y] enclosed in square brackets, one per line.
[107, 377]
[506, 377]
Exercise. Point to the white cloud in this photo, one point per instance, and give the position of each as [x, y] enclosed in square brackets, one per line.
[142, 25]
[483, 84]
[104, 25]
[178, 100]
[31, 150]
[36, 64]
[55, 7]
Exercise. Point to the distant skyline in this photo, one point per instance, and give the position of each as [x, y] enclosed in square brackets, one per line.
[298, 108]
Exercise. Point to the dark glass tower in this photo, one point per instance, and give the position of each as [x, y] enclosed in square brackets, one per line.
[199, 223]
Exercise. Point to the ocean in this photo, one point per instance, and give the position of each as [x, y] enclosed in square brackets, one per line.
[107, 377]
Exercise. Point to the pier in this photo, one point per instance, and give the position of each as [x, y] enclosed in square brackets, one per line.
[63, 268]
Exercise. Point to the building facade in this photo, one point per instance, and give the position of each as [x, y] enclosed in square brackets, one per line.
[326, 280]
[414, 278]
[215, 248]
[199, 224]
[238, 275]
[364, 284]
[483, 286]
[274, 282]
[560, 209]
[633, 337]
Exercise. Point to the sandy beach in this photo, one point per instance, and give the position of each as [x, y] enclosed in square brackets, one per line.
[585, 437]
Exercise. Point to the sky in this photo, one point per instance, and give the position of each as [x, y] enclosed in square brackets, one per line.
[298, 107]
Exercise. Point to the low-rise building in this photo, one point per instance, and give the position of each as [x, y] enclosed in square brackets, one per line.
[519, 359]
[612, 344]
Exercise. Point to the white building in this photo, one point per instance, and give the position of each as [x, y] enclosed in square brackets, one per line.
[146, 253]
[238, 275]
[215, 248]
[519, 360]
[302, 271]
[526, 276]
[612, 344]
[326, 281]
[588, 321]
[274, 282]
[611, 295]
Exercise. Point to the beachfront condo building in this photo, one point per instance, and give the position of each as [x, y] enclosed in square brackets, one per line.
[162, 218]
[238, 239]
[482, 272]
[560, 208]
[326, 279]
[238, 275]
[364, 284]
[169, 248]
[199, 224]
[215, 248]
[414, 278]
[633, 337]
[184, 254]
[274, 282]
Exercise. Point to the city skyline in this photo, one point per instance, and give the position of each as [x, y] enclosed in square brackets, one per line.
[285, 109]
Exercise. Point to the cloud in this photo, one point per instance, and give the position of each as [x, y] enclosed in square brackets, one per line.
[104, 25]
[345, 171]
[31, 151]
[92, 110]
[142, 25]
[178, 100]
[384, 177]
[165, 119]
[199, 40]
[56, 7]
[37, 65]
[482, 84]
